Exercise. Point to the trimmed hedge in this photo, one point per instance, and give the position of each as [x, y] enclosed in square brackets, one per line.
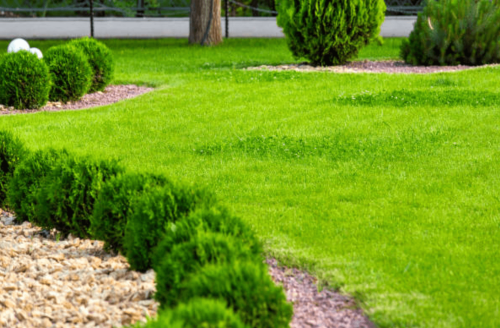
[201, 251]
[70, 72]
[151, 219]
[115, 204]
[67, 196]
[189, 257]
[100, 59]
[214, 219]
[12, 151]
[197, 313]
[330, 32]
[248, 290]
[26, 181]
[24, 81]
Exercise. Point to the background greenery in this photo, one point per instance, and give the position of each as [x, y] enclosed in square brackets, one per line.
[385, 186]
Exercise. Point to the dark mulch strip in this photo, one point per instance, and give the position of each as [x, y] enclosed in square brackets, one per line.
[325, 309]
[367, 66]
[110, 95]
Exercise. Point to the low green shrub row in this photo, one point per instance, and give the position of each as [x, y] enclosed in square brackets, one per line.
[210, 271]
[66, 73]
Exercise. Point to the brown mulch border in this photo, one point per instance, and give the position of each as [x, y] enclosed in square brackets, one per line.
[368, 66]
[111, 95]
[313, 308]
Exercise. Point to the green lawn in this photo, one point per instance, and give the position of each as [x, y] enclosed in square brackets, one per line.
[385, 186]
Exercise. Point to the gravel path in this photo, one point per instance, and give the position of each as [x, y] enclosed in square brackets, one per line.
[111, 95]
[367, 66]
[70, 283]
[74, 283]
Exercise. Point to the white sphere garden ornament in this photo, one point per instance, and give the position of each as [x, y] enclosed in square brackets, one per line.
[37, 52]
[18, 44]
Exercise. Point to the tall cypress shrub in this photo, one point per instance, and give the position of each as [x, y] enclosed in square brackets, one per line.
[330, 32]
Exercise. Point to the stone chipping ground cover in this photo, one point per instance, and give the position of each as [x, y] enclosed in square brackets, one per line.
[75, 283]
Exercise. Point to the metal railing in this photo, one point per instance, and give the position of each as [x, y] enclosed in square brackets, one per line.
[156, 8]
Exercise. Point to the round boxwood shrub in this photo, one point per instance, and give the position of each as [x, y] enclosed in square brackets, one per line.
[12, 152]
[100, 60]
[152, 216]
[70, 72]
[189, 257]
[214, 219]
[24, 81]
[247, 289]
[68, 194]
[26, 181]
[115, 204]
[450, 32]
[197, 313]
[330, 32]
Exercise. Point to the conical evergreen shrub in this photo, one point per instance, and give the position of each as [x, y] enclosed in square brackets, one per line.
[330, 32]
[455, 32]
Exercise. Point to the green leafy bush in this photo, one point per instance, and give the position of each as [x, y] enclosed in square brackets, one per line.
[203, 220]
[114, 206]
[189, 257]
[68, 194]
[26, 181]
[152, 216]
[452, 32]
[100, 60]
[24, 81]
[197, 313]
[12, 151]
[248, 290]
[330, 32]
[70, 72]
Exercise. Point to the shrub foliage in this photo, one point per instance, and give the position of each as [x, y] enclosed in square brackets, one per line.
[189, 257]
[248, 290]
[67, 196]
[24, 81]
[214, 219]
[153, 215]
[100, 59]
[70, 72]
[330, 32]
[451, 32]
[12, 151]
[26, 181]
[197, 313]
[115, 204]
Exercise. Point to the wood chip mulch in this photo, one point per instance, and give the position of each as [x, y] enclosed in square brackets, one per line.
[111, 95]
[75, 283]
[367, 66]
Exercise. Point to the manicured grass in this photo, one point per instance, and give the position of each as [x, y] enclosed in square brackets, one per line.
[385, 186]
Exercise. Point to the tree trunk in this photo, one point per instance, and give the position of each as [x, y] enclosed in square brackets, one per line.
[200, 19]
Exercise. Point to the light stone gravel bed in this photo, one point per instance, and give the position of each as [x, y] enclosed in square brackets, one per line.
[74, 283]
[70, 283]
[366, 66]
